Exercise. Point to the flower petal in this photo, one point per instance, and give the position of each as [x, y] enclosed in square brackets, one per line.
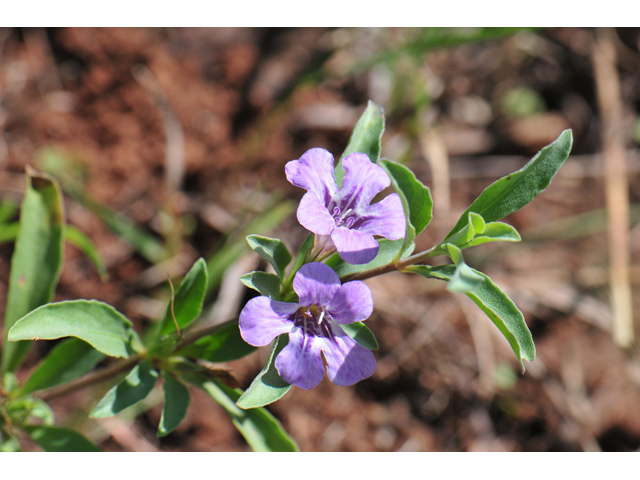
[384, 218]
[353, 246]
[363, 180]
[263, 319]
[316, 283]
[314, 172]
[314, 216]
[347, 361]
[352, 303]
[300, 362]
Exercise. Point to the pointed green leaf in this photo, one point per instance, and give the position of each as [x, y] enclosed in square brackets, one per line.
[188, 300]
[176, 403]
[55, 439]
[514, 191]
[224, 345]
[262, 431]
[83, 243]
[134, 388]
[416, 197]
[465, 279]
[496, 305]
[37, 258]
[266, 284]
[68, 360]
[495, 232]
[365, 138]
[268, 386]
[97, 323]
[272, 250]
[475, 226]
[361, 334]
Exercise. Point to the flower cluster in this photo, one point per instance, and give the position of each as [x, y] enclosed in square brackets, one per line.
[344, 218]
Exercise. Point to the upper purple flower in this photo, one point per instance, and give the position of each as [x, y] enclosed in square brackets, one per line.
[345, 213]
[313, 326]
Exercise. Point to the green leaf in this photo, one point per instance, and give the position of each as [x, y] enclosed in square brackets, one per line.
[266, 284]
[496, 305]
[97, 323]
[176, 403]
[465, 279]
[388, 251]
[475, 226]
[262, 431]
[416, 198]
[79, 240]
[8, 208]
[223, 346]
[134, 388]
[188, 300]
[37, 258]
[495, 232]
[268, 386]
[9, 231]
[8, 443]
[361, 334]
[55, 439]
[365, 138]
[272, 250]
[68, 360]
[514, 191]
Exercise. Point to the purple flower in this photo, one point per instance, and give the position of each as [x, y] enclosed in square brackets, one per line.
[313, 326]
[345, 213]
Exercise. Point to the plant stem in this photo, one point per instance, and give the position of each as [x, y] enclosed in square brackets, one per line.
[390, 267]
[122, 365]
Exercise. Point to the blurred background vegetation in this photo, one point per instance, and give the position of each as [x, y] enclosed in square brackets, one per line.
[170, 144]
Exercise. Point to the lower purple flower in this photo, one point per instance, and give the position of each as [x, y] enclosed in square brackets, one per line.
[313, 326]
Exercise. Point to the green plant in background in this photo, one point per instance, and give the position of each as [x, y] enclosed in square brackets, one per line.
[290, 304]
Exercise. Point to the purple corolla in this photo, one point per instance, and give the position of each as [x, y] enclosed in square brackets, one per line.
[345, 213]
[313, 326]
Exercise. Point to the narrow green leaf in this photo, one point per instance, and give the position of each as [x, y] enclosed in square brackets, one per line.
[475, 226]
[416, 197]
[268, 386]
[514, 191]
[97, 323]
[365, 138]
[134, 388]
[55, 439]
[496, 305]
[272, 250]
[68, 360]
[37, 258]
[361, 334]
[262, 431]
[223, 346]
[176, 403]
[79, 240]
[465, 279]
[266, 284]
[188, 299]
[8, 208]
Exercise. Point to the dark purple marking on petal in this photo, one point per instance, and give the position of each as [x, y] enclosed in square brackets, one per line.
[363, 180]
[263, 319]
[314, 172]
[347, 361]
[385, 218]
[300, 362]
[353, 246]
[316, 283]
[314, 216]
[352, 303]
